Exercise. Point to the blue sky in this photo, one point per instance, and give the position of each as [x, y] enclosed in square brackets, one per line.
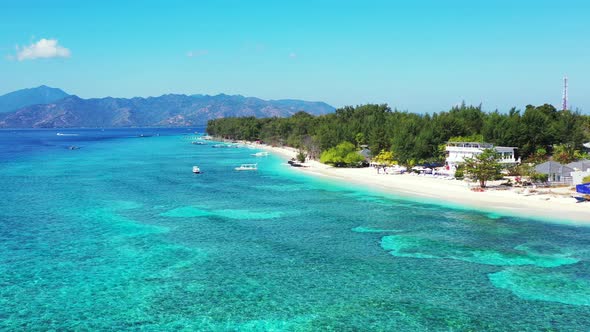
[419, 56]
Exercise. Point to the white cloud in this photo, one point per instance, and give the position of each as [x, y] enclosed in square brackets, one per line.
[44, 48]
[292, 55]
[196, 53]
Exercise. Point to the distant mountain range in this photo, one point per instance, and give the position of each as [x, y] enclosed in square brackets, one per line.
[172, 110]
[27, 97]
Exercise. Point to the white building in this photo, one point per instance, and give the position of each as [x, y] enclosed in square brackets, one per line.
[578, 177]
[457, 152]
[581, 170]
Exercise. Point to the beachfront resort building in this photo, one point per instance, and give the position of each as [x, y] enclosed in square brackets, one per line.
[556, 172]
[570, 174]
[457, 152]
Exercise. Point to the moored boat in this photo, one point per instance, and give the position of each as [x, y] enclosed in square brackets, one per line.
[196, 170]
[247, 167]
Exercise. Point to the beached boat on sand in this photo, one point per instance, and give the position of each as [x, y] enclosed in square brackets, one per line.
[583, 191]
[294, 163]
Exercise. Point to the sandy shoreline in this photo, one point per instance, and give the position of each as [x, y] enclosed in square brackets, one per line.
[548, 204]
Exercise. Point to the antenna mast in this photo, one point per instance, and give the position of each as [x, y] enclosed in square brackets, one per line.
[565, 93]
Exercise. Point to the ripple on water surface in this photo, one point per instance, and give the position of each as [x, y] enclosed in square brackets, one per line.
[361, 229]
[418, 247]
[120, 235]
[283, 187]
[193, 211]
[111, 213]
[544, 285]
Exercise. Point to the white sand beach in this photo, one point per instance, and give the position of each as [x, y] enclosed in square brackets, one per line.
[549, 204]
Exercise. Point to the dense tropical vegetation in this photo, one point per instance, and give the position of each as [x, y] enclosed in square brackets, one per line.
[343, 154]
[413, 138]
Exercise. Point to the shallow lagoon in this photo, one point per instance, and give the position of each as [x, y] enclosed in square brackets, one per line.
[121, 235]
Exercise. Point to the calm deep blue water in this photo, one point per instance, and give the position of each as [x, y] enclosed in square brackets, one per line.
[120, 235]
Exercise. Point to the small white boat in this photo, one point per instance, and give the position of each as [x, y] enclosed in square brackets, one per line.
[199, 142]
[62, 134]
[247, 167]
[196, 170]
[260, 154]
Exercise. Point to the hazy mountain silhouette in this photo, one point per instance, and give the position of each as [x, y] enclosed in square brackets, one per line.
[166, 110]
[27, 97]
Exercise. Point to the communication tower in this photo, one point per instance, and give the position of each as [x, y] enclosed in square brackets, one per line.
[565, 93]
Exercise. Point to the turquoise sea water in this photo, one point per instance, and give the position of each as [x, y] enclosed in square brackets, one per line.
[120, 235]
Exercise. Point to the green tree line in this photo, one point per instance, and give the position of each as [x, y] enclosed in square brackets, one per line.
[414, 138]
